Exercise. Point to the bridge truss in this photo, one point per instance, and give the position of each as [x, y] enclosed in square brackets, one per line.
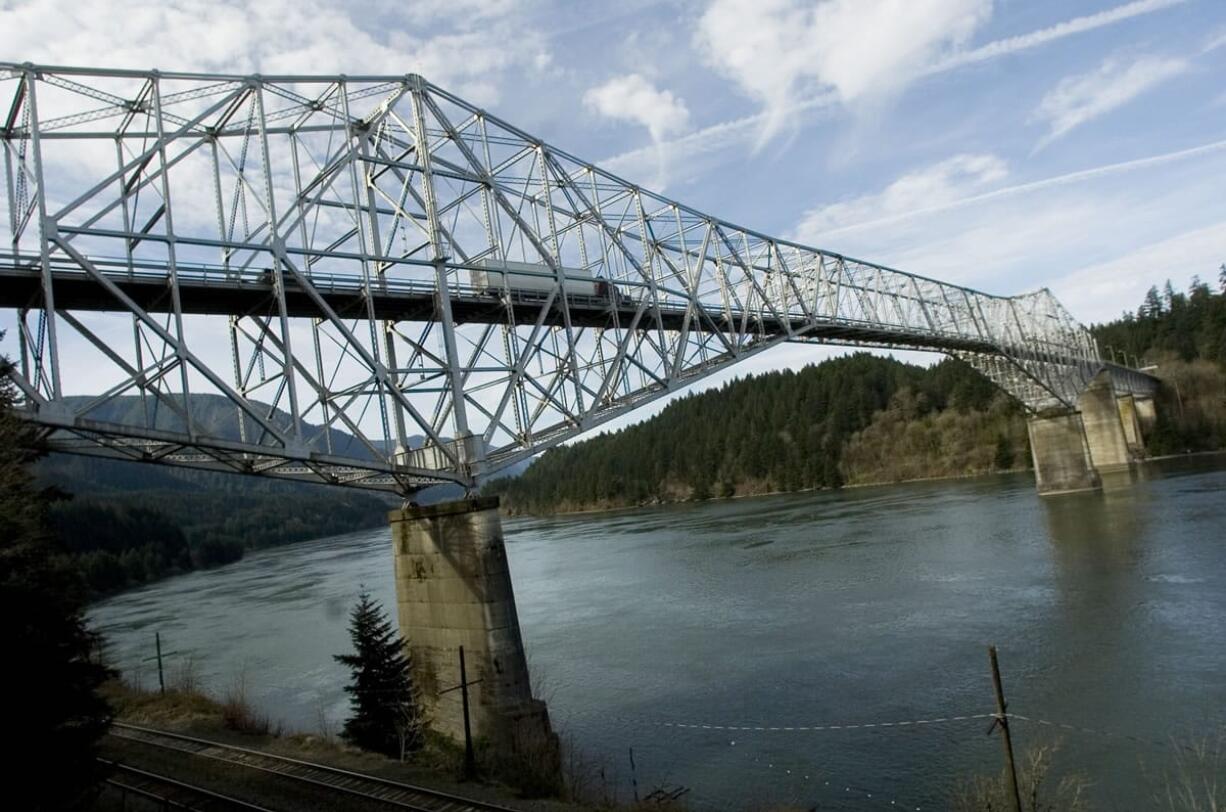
[387, 287]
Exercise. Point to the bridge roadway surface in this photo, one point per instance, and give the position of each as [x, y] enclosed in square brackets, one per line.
[212, 290]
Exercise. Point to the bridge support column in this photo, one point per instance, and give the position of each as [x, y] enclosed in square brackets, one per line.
[1147, 414]
[1132, 426]
[1061, 454]
[453, 588]
[1104, 430]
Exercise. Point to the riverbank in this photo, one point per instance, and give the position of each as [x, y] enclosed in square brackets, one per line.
[716, 499]
[985, 475]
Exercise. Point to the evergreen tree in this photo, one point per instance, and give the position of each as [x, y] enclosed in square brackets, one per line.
[1221, 277]
[385, 717]
[55, 713]
[1151, 308]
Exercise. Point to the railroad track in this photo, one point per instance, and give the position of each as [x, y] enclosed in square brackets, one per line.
[170, 793]
[391, 793]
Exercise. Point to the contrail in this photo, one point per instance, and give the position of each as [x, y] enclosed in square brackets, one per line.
[1033, 186]
[1077, 25]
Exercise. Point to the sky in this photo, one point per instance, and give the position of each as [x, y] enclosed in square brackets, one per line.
[1007, 145]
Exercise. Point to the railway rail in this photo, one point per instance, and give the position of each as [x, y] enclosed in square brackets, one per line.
[171, 793]
[391, 793]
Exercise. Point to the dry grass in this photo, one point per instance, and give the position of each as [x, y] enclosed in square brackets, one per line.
[176, 710]
[239, 715]
[1039, 792]
[185, 678]
[527, 758]
[1197, 783]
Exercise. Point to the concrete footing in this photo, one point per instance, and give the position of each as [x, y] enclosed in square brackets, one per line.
[453, 588]
[1132, 426]
[1094, 446]
[1147, 413]
[1100, 414]
[1061, 454]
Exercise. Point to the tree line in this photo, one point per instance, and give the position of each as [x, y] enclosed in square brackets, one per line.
[1171, 324]
[864, 418]
[781, 431]
[1183, 333]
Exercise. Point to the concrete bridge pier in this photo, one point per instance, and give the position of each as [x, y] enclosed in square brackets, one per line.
[1147, 413]
[1132, 426]
[1095, 445]
[1061, 454]
[1100, 414]
[453, 588]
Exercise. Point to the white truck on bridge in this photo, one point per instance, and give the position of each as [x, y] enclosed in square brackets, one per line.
[498, 276]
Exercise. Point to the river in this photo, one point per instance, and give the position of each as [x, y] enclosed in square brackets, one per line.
[856, 607]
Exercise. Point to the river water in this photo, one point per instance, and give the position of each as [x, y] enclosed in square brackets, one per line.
[856, 607]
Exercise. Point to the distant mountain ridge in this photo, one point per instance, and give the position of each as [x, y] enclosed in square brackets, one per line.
[127, 523]
[216, 416]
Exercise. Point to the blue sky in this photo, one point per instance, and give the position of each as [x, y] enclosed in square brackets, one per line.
[1007, 145]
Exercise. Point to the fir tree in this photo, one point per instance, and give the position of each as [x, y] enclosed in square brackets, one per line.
[55, 712]
[385, 717]
[1151, 308]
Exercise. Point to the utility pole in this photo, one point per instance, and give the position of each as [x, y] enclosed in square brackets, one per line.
[157, 642]
[470, 760]
[1003, 720]
[634, 778]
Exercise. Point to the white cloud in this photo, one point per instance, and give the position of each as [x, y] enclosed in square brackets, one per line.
[634, 98]
[275, 36]
[936, 185]
[779, 51]
[955, 196]
[1078, 99]
[728, 134]
[1014, 238]
[1124, 280]
[1216, 41]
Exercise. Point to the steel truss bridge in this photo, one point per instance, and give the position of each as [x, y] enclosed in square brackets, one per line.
[390, 288]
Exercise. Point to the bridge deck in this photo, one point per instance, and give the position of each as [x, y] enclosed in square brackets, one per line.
[251, 292]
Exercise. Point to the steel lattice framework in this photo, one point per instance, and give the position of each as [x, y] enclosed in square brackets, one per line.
[390, 288]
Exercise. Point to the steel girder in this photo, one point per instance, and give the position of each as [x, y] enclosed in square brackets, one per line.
[388, 287]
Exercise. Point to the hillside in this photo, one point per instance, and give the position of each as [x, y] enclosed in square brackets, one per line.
[864, 418]
[123, 524]
[834, 423]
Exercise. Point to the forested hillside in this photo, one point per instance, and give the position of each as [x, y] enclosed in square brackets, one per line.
[863, 418]
[127, 523]
[123, 524]
[1184, 335]
[818, 427]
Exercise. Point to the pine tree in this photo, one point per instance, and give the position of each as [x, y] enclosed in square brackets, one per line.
[385, 717]
[1152, 307]
[1221, 277]
[54, 709]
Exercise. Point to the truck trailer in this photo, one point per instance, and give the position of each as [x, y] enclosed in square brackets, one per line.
[505, 276]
